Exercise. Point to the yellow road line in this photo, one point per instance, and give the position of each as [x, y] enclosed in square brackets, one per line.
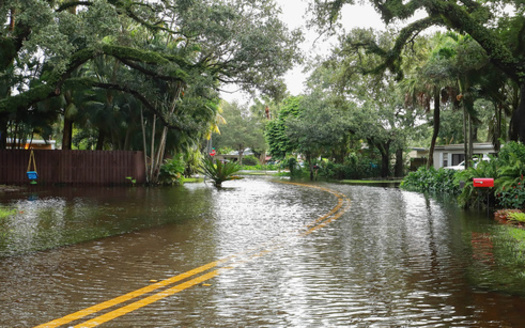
[150, 299]
[171, 291]
[139, 292]
[313, 226]
[324, 223]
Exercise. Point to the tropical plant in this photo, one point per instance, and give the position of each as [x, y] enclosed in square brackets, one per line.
[517, 216]
[219, 172]
[511, 196]
[509, 183]
[502, 215]
[471, 195]
[172, 170]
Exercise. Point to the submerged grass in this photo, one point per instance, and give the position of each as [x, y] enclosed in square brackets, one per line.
[5, 212]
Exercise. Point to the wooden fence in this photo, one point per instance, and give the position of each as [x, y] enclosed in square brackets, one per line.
[73, 167]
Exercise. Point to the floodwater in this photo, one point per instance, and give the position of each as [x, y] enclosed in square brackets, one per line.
[289, 256]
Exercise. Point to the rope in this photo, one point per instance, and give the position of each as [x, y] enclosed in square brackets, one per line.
[31, 157]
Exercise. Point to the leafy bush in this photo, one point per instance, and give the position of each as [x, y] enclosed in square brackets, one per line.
[517, 216]
[296, 171]
[192, 160]
[250, 160]
[219, 172]
[353, 168]
[511, 168]
[511, 196]
[431, 180]
[171, 171]
[510, 151]
[471, 195]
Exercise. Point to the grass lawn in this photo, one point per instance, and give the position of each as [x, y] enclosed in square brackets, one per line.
[192, 180]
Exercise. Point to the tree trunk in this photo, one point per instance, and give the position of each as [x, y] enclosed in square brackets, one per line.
[3, 131]
[310, 166]
[398, 171]
[436, 125]
[497, 127]
[385, 159]
[517, 126]
[470, 138]
[143, 125]
[67, 135]
[100, 140]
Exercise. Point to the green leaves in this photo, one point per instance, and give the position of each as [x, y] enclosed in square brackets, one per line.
[431, 180]
[219, 172]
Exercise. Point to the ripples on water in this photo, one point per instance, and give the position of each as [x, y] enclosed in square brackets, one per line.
[394, 259]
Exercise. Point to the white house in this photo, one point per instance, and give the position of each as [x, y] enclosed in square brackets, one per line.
[31, 144]
[450, 155]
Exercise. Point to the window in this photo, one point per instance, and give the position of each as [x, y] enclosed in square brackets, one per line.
[445, 159]
[457, 158]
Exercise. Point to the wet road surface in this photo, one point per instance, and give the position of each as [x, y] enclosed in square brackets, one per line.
[290, 256]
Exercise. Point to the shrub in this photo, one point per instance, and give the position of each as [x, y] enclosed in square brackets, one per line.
[512, 169]
[431, 180]
[171, 171]
[512, 196]
[250, 160]
[510, 151]
[353, 168]
[517, 216]
[471, 195]
[296, 171]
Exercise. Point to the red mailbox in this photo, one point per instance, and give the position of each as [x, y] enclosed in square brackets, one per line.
[483, 182]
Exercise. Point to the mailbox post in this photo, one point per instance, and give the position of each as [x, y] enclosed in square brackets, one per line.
[484, 183]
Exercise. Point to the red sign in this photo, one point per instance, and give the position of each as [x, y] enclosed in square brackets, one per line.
[212, 152]
[483, 182]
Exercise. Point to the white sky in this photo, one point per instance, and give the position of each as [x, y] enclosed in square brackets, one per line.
[293, 12]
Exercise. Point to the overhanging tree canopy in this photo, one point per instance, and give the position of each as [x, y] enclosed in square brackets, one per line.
[499, 34]
[190, 44]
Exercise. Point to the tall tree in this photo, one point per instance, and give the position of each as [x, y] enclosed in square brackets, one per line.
[171, 56]
[279, 143]
[242, 130]
[499, 34]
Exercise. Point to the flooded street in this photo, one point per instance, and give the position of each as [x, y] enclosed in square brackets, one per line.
[260, 253]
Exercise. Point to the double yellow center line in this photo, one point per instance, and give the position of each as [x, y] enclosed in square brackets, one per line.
[220, 265]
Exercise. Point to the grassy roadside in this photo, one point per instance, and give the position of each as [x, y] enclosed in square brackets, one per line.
[371, 181]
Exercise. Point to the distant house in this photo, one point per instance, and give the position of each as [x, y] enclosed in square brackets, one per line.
[31, 144]
[418, 157]
[451, 155]
[233, 156]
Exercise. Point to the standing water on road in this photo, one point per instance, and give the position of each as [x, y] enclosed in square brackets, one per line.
[393, 258]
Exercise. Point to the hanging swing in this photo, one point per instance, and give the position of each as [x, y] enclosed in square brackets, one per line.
[32, 175]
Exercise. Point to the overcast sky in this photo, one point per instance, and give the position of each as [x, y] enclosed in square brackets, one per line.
[293, 15]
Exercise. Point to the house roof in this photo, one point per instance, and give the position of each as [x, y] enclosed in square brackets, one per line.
[477, 146]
